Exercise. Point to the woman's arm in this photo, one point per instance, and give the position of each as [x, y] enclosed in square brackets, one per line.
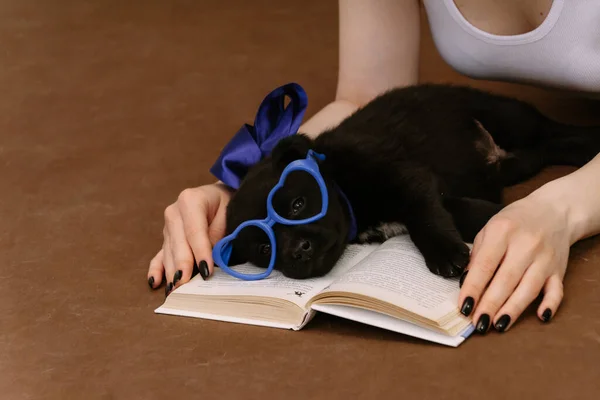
[580, 192]
[524, 250]
[378, 50]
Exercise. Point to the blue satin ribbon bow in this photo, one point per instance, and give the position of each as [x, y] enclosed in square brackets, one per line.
[252, 143]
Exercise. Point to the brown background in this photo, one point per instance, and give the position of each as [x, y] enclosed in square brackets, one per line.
[108, 109]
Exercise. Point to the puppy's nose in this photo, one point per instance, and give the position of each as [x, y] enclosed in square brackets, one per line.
[303, 251]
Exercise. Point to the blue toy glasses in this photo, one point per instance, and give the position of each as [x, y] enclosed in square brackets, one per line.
[222, 250]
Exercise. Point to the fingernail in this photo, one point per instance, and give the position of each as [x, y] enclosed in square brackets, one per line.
[502, 323]
[151, 282]
[462, 278]
[168, 289]
[547, 315]
[467, 306]
[483, 324]
[203, 269]
[177, 277]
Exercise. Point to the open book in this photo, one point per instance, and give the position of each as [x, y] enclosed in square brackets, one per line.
[386, 285]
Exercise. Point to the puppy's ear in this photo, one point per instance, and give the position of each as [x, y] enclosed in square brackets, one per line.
[290, 149]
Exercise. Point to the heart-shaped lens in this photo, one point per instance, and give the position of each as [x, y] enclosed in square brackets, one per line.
[251, 242]
[300, 196]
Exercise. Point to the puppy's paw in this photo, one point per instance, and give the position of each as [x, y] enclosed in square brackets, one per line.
[447, 257]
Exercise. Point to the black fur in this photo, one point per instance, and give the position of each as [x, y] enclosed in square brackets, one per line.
[419, 156]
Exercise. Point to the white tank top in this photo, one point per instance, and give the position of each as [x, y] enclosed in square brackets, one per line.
[563, 52]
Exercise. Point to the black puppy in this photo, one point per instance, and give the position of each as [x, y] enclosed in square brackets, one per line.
[431, 158]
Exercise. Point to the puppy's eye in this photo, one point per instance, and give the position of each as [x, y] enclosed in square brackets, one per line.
[264, 249]
[298, 205]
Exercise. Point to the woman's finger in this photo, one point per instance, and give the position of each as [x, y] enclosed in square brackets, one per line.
[156, 270]
[484, 261]
[169, 266]
[518, 258]
[194, 209]
[474, 248]
[553, 295]
[526, 292]
[182, 256]
[476, 243]
[216, 231]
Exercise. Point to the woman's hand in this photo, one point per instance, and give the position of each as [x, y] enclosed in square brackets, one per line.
[521, 252]
[193, 224]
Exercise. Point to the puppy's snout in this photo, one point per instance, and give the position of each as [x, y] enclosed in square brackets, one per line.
[303, 250]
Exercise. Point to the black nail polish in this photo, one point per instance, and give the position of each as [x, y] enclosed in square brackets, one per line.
[502, 323]
[151, 282]
[168, 289]
[547, 315]
[467, 306]
[462, 279]
[177, 276]
[203, 269]
[483, 324]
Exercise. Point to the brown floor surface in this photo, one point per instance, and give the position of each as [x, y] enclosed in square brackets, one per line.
[107, 110]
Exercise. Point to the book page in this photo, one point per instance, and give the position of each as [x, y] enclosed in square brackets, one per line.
[393, 324]
[396, 273]
[276, 285]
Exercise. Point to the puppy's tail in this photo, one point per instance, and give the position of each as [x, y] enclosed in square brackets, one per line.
[557, 144]
[517, 126]
[564, 144]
